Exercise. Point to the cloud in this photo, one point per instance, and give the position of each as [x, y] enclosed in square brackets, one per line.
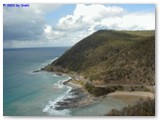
[85, 16]
[22, 25]
[28, 27]
[97, 11]
[106, 17]
[25, 23]
[133, 21]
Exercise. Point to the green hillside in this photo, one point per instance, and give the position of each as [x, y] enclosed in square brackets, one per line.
[126, 57]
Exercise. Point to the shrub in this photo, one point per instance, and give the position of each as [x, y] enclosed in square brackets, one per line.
[142, 108]
[98, 91]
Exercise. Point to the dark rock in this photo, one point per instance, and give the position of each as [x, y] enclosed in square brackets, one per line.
[59, 74]
[71, 102]
[65, 82]
[36, 71]
[42, 69]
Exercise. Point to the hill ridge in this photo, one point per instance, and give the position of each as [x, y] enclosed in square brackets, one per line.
[112, 56]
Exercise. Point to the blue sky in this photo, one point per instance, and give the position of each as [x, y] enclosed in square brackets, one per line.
[47, 25]
[53, 16]
[138, 7]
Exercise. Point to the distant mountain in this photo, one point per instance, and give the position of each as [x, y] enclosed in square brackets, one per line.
[109, 56]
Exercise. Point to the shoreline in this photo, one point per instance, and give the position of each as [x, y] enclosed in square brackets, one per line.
[81, 97]
[129, 98]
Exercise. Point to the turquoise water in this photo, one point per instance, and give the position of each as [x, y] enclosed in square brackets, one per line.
[25, 92]
[32, 94]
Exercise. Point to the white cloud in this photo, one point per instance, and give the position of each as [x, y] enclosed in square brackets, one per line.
[27, 27]
[135, 21]
[86, 16]
[48, 29]
[97, 11]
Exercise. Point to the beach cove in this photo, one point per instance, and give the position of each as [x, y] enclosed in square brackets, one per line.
[80, 99]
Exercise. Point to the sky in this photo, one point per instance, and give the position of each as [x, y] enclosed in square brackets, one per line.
[52, 25]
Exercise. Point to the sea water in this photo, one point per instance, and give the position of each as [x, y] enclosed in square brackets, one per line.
[28, 93]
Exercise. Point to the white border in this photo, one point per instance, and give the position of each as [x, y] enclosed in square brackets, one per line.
[157, 2]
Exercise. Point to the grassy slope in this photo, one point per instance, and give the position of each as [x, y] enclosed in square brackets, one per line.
[112, 56]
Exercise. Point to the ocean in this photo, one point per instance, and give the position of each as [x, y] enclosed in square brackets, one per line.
[31, 94]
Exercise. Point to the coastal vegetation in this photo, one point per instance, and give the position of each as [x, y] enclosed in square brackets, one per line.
[121, 57]
[98, 91]
[109, 61]
[141, 108]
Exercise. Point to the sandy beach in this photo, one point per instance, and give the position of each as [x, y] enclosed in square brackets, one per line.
[131, 98]
[81, 97]
[74, 85]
